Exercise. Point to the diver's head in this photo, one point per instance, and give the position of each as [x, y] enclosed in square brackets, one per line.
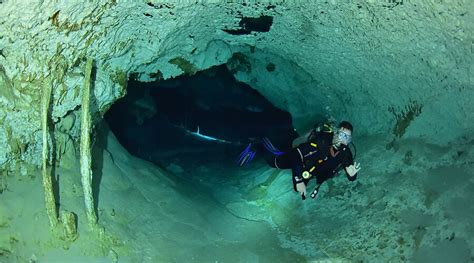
[343, 136]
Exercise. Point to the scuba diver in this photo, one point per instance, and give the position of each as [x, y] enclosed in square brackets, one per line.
[320, 154]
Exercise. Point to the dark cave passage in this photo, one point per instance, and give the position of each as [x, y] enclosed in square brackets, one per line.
[205, 117]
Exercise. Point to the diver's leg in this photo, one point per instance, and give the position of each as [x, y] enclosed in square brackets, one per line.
[281, 161]
[289, 160]
[270, 147]
[285, 160]
[270, 159]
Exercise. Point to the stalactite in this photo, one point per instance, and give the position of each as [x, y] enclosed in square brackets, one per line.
[86, 170]
[47, 180]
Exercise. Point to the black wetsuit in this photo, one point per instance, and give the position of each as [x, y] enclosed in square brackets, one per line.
[314, 156]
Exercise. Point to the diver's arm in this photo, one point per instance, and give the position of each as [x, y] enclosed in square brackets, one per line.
[350, 167]
[349, 177]
[352, 170]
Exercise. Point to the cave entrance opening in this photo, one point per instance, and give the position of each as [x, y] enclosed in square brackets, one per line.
[190, 121]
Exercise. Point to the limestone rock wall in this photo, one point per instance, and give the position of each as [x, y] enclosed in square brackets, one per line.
[395, 67]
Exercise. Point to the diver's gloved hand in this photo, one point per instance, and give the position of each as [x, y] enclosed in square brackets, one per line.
[353, 169]
[301, 188]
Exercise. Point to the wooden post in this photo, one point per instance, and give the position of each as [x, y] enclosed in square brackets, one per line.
[85, 149]
[47, 181]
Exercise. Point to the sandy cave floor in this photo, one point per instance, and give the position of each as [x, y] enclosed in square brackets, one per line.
[412, 203]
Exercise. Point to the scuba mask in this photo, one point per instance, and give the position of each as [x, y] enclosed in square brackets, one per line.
[342, 136]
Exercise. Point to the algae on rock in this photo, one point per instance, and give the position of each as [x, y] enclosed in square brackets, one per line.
[405, 117]
[239, 62]
[187, 67]
[120, 77]
[68, 219]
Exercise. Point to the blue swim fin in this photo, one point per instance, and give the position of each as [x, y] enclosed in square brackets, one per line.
[270, 147]
[246, 156]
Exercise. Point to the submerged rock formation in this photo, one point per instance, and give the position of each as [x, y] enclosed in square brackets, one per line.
[400, 71]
